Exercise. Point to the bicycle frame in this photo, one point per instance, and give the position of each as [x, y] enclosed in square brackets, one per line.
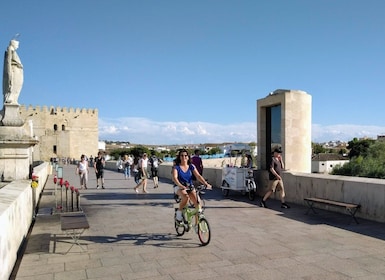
[189, 213]
[200, 223]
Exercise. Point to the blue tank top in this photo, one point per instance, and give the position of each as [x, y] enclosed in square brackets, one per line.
[185, 178]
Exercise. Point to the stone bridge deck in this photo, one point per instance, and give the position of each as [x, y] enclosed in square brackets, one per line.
[131, 236]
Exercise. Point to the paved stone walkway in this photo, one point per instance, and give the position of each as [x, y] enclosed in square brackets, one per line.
[132, 236]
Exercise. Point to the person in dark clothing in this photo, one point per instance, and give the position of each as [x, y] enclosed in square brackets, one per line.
[275, 179]
[99, 170]
[197, 161]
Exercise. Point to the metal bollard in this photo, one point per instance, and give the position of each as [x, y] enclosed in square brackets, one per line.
[67, 198]
[72, 198]
[77, 199]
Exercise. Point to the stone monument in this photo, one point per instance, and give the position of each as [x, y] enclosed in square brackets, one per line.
[16, 141]
[284, 121]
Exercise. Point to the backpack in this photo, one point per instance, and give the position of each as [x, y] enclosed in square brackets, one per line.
[154, 162]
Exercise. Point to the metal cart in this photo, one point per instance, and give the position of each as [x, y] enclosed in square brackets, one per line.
[238, 179]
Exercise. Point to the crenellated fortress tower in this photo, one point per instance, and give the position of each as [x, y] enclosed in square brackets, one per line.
[62, 132]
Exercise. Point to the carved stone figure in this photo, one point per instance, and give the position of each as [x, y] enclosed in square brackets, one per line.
[12, 75]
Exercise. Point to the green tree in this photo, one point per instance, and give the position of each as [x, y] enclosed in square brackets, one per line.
[318, 148]
[214, 151]
[359, 147]
[369, 163]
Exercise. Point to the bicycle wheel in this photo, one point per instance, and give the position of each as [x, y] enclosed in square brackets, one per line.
[225, 191]
[179, 226]
[252, 189]
[204, 231]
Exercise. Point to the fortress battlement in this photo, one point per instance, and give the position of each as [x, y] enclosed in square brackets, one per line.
[56, 110]
[62, 131]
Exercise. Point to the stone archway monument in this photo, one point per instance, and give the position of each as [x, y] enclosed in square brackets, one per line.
[284, 122]
[16, 140]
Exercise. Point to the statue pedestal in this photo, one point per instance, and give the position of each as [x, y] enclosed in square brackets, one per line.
[15, 153]
[11, 115]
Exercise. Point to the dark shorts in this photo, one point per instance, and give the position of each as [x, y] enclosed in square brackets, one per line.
[100, 174]
[154, 172]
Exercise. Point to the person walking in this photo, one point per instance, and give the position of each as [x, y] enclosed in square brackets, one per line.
[142, 168]
[82, 170]
[275, 179]
[127, 163]
[183, 179]
[154, 162]
[91, 161]
[99, 170]
[135, 170]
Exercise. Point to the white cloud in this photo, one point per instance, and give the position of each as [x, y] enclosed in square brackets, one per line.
[146, 131]
[344, 132]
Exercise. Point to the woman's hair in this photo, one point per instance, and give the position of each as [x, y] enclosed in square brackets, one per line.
[178, 161]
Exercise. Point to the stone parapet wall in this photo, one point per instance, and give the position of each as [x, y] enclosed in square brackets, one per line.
[368, 192]
[17, 203]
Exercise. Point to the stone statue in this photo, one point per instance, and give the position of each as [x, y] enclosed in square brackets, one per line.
[12, 75]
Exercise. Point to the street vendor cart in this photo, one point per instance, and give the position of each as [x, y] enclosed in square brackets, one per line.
[238, 179]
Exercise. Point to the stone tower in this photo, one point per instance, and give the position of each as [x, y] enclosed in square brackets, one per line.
[284, 121]
[62, 132]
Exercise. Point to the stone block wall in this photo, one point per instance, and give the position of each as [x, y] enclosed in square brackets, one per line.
[17, 203]
[72, 131]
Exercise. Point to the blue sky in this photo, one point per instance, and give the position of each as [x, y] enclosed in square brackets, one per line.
[169, 72]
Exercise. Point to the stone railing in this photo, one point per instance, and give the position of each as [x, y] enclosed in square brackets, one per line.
[370, 193]
[18, 201]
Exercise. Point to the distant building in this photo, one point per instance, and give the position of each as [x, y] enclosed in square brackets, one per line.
[62, 132]
[236, 148]
[325, 162]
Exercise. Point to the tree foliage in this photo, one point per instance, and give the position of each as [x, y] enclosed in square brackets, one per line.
[136, 151]
[367, 159]
[359, 147]
[318, 148]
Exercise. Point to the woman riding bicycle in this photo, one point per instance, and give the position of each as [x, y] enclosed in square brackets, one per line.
[183, 172]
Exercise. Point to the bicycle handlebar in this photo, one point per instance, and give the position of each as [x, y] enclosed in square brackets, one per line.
[201, 188]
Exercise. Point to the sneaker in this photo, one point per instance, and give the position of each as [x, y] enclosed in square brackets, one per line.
[179, 217]
[284, 205]
[103, 187]
[136, 190]
[263, 204]
[97, 187]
